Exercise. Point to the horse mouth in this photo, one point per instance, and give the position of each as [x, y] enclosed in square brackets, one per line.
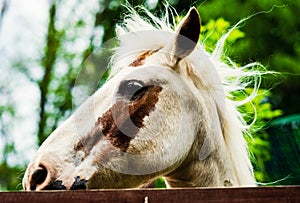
[79, 184]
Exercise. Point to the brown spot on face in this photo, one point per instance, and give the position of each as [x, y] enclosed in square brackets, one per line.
[124, 116]
[141, 58]
[118, 118]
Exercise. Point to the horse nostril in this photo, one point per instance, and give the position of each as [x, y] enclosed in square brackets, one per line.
[38, 177]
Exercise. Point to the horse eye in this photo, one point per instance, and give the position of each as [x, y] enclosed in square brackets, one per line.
[131, 89]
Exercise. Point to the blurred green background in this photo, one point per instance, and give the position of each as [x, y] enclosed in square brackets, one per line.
[48, 59]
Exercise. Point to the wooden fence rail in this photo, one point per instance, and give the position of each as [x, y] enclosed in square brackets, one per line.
[255, 195]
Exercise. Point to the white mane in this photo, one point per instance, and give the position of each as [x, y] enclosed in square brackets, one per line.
[200, 63]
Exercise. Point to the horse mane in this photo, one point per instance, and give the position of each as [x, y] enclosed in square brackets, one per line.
[232, 78]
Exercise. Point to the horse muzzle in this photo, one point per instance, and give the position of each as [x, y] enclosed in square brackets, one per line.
[41, 179]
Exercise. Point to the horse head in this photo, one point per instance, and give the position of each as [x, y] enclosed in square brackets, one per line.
[155, 116]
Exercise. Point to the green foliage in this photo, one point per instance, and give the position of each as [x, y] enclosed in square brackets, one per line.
[7, 109]
[160, 183]
[272, 38]
[213, 31]
[10, 177]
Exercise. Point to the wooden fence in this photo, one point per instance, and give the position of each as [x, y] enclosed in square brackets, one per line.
[255, 195]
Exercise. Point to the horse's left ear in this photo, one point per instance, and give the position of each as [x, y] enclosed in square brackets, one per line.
[187, 34]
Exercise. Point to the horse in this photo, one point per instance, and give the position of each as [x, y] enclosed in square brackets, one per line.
[167, 110]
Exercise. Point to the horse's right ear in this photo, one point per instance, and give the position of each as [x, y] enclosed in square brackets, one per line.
[187, 34]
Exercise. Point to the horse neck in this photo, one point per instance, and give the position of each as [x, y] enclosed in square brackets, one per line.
[227, 164]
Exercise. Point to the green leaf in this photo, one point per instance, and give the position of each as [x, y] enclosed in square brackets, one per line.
[160, 183]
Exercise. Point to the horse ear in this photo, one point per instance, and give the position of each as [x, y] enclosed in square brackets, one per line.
[187, 34]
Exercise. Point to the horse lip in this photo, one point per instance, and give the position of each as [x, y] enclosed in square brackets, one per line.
[56, 185]
[79, 184]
